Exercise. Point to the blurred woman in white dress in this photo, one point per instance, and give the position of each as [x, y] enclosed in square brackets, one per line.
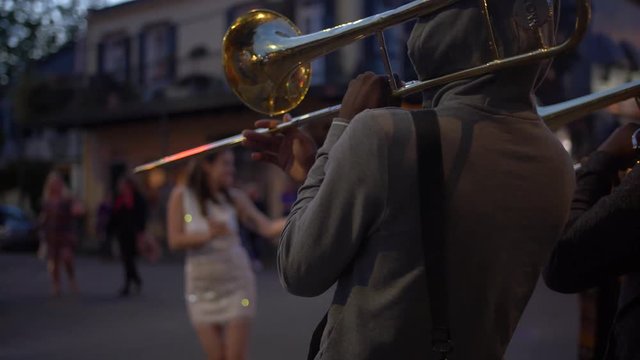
[220, 289]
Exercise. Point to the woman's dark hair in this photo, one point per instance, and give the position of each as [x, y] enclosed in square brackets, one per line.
[198, 182]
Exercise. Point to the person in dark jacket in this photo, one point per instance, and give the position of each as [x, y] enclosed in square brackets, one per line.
[601, 241]
[128, 219]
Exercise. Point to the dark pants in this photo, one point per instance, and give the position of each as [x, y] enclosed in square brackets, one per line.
[128, 255]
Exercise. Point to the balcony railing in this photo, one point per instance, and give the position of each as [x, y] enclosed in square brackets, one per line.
[82, 100]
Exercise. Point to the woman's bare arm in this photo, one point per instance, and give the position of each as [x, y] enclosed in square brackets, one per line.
[254, 219]
[177, 237]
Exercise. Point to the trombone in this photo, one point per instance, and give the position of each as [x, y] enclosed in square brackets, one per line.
[558, 115]
[266, 61]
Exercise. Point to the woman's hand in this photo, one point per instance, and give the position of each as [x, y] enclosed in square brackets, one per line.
[291, 150]
[218, 228]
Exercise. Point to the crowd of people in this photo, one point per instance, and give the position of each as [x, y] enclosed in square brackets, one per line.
[204, 218]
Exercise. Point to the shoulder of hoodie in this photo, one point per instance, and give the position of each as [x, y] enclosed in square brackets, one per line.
[378, 123]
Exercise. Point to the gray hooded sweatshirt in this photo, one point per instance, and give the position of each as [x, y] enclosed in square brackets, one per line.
[356, 222]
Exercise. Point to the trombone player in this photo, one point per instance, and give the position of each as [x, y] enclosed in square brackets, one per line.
[507, 187]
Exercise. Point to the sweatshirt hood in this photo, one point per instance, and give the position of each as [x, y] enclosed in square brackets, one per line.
[458, 37]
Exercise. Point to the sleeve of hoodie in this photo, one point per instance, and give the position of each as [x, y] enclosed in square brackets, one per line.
[340, 203]
[602, 238]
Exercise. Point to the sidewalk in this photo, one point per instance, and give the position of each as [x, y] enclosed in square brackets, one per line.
[98, 325]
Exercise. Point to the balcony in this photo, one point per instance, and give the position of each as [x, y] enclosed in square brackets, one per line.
[78, 101]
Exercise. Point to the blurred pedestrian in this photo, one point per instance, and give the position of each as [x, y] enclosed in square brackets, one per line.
[103, 231]
[252, 241]
[57, 228]
[220, 286]
[601, 241]
[128, 220]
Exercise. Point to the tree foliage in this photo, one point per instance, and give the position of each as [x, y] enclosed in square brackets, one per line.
[32, 29]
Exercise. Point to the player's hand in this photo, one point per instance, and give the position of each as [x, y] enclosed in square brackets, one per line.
[367, 91]
[292, 150]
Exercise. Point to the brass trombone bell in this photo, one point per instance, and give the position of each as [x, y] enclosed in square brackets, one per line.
[266, 60]
[255, 64]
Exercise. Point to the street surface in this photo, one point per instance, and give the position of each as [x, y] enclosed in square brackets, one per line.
[96, 324]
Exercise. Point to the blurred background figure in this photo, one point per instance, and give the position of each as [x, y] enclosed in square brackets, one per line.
[103, 230]
[128, 219]
[607, 56]
[220, 286]
[57, 221]
[252, 241]
[601, 243]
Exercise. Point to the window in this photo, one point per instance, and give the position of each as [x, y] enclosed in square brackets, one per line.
[157, 55]
[310, 18]
[113, 57]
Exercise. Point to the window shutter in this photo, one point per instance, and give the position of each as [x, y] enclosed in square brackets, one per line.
[172, 52]
[101, 57]
[142, 61]
[127, 58]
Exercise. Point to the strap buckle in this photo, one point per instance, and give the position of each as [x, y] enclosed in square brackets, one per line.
[441, 342]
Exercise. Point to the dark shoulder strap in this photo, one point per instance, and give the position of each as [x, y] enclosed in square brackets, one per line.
[314, 346]
[432, 209]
